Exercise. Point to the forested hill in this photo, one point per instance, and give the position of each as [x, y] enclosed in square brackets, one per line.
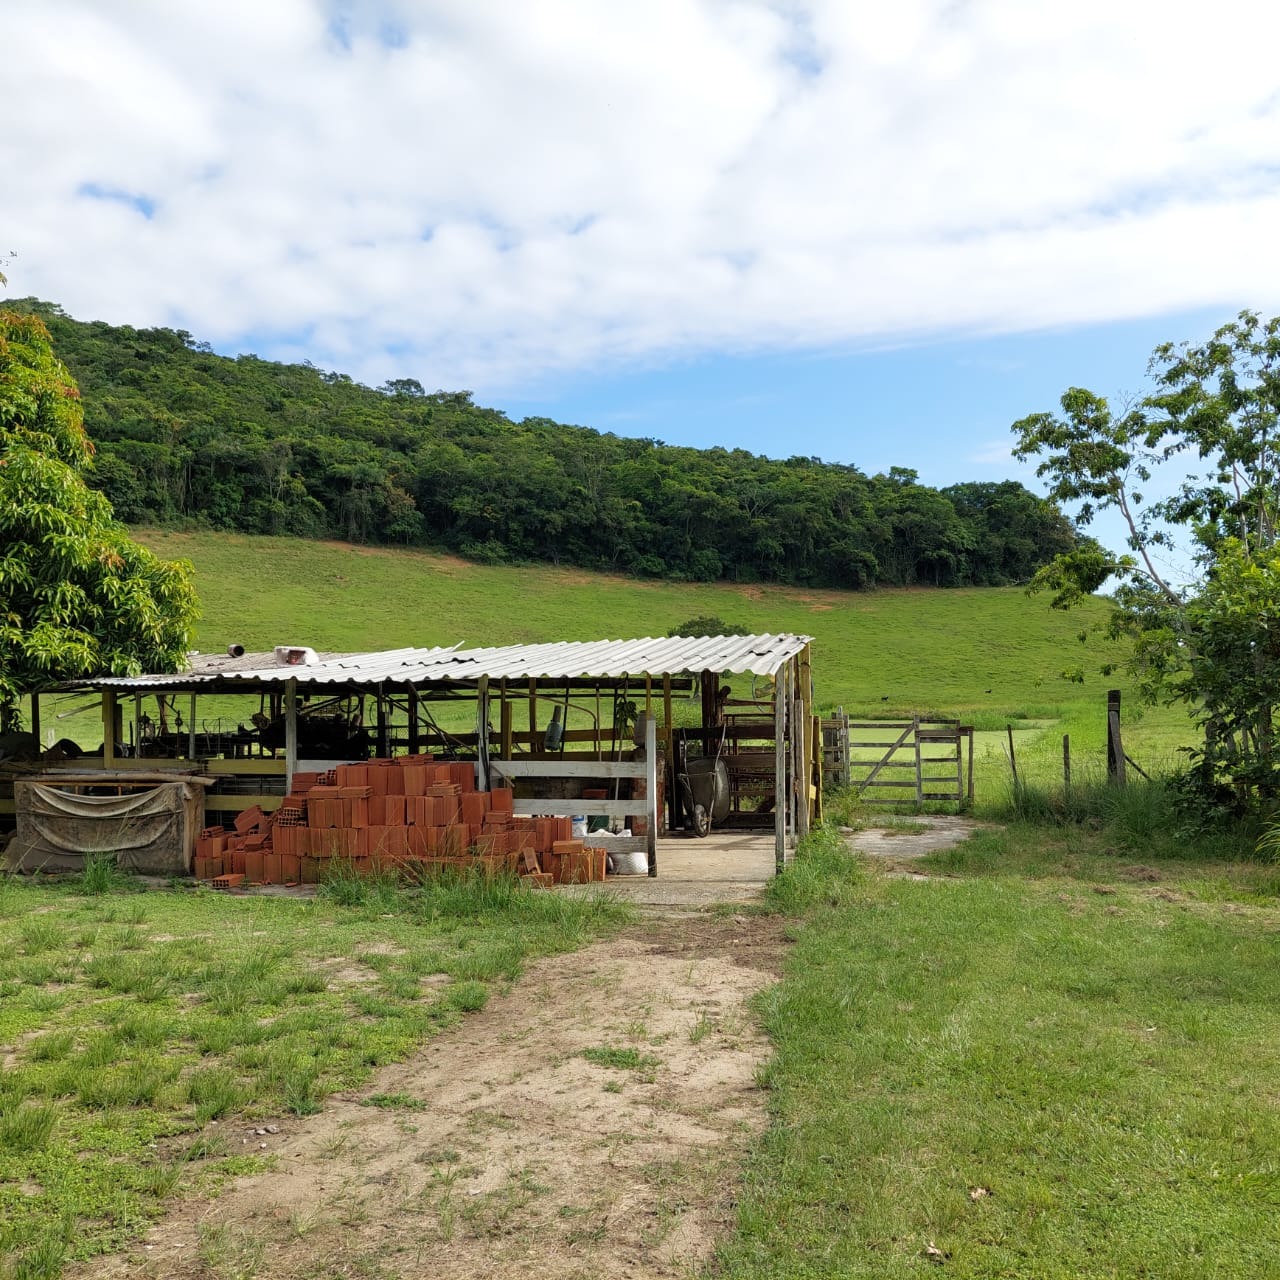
[183, 434]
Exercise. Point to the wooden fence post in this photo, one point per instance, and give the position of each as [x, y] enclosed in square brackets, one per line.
[1013, 760]
[1115, 747]
[1066, 761]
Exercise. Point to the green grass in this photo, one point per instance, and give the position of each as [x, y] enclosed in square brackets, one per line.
[919, 648]
[991, 656]
[1049, 1062]
[620, 1059]
[132, 1024]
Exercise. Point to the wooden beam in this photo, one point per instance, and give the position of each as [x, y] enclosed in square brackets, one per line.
[569, 768]
[191, 729]
[35, 721]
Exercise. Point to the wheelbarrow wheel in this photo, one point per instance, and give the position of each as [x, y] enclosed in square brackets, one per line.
[701, 821]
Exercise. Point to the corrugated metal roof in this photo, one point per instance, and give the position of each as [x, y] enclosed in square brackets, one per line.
[761, 655]
[262, 668]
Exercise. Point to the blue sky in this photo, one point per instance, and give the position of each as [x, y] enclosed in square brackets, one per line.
[876, 234]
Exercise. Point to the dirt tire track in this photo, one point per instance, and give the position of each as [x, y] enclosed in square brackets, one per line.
[525, 1158]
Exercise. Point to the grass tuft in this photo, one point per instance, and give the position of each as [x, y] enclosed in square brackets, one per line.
[215, 1091]
[101, 874]
[27, 1127]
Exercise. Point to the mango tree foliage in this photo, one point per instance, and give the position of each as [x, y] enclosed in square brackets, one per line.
[77, 596]
[1205, 442]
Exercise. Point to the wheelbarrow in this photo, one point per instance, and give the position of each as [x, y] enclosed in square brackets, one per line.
[704, 785]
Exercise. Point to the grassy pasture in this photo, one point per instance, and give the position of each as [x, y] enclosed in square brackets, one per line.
[139, 1028]
[1053, 1060]
[919, 649]
[992, 656]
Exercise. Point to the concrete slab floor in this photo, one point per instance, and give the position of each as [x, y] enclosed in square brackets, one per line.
[726, 866]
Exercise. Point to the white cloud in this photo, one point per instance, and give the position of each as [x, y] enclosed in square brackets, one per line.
[496, 189]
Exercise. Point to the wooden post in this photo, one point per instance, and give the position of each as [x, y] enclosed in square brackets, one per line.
[482, 733]
[290, 733]
[35, 722]
[800, 755]
[1013, 760]
[811, 745]
[815, 765]
[915, 733]
[666, 711]
[970, 786]
[505, 729]
[413, 720]
[651, 791]
[1066, 761]
[535, 747]
[191, 729]
[1115, 747]
[380, 711]
[110, 719]
[780, 770]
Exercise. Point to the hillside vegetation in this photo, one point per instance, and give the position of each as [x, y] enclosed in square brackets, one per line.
[248, 445]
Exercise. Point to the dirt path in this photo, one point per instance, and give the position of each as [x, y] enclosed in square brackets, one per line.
[509, 1152]
[894, 848]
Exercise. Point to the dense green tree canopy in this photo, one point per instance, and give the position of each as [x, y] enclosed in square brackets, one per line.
[186, 435]
[77, 596]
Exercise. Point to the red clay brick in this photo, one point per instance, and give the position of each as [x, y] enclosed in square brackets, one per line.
[249, 818]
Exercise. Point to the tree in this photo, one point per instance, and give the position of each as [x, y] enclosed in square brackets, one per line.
[77, 596]
[708, 626]
[1213, 639]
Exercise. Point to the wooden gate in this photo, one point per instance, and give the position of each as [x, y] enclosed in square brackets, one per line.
[835, 749]
[911, 761]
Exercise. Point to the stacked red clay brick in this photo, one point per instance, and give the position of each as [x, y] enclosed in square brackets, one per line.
[413, 815]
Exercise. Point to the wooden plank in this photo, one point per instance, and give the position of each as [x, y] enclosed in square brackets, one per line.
[573, 808]
[569, 768]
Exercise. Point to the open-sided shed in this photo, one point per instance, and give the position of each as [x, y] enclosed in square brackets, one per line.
[544, 718]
